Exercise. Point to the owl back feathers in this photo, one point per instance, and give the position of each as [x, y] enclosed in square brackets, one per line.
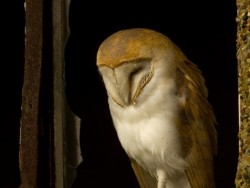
[200, 119]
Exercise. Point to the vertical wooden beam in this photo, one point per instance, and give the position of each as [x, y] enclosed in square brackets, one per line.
[243, 55]
[30, 94]
[66, 124]
[58, 111]
[49, 140]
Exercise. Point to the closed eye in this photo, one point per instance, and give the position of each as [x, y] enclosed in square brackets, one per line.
[134, 73]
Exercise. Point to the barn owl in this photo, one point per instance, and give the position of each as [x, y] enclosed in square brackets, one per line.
[158, 103]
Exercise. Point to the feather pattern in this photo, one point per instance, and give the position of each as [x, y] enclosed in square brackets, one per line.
[200, 118]
[159, 106]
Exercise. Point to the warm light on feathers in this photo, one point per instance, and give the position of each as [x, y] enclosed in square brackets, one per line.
[158, 103]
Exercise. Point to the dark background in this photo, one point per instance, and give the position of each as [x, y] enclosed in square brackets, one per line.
[11, 76]
[205, 31]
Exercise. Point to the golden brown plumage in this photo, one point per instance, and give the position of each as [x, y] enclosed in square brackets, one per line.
[158, 102]
[201, 120]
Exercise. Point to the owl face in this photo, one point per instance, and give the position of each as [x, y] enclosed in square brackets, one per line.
[128, 62]
[125, 83]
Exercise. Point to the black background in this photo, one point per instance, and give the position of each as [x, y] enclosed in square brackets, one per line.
[11, 76]
[205, 31]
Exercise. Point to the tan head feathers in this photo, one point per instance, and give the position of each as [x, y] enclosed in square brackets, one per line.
[131, 45]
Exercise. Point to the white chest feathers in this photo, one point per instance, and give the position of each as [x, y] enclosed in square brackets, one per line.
[148, 132]
[158, 102]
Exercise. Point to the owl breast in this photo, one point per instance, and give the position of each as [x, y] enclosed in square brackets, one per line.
[148, 131]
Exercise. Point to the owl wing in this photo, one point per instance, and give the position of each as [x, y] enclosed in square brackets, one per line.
[200, 120]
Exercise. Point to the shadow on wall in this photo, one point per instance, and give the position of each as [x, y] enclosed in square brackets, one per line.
[206, 34]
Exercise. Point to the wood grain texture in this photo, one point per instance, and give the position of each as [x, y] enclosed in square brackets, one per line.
[243, 45]
[30, 94]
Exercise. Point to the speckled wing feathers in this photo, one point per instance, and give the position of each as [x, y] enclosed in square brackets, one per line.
[201, 120]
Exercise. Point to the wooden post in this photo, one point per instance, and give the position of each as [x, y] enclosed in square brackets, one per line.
[30, 94]
[66, 125]
[49, 134]
[243, 55]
